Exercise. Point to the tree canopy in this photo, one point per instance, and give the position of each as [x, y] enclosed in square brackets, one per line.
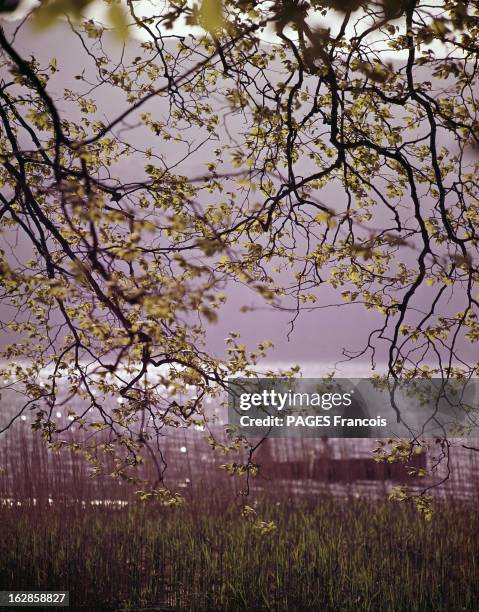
[121, 272]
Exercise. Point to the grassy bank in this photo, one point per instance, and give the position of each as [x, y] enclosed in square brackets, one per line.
[326, 555]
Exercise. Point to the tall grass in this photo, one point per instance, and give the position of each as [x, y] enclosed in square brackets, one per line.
[325, 555]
